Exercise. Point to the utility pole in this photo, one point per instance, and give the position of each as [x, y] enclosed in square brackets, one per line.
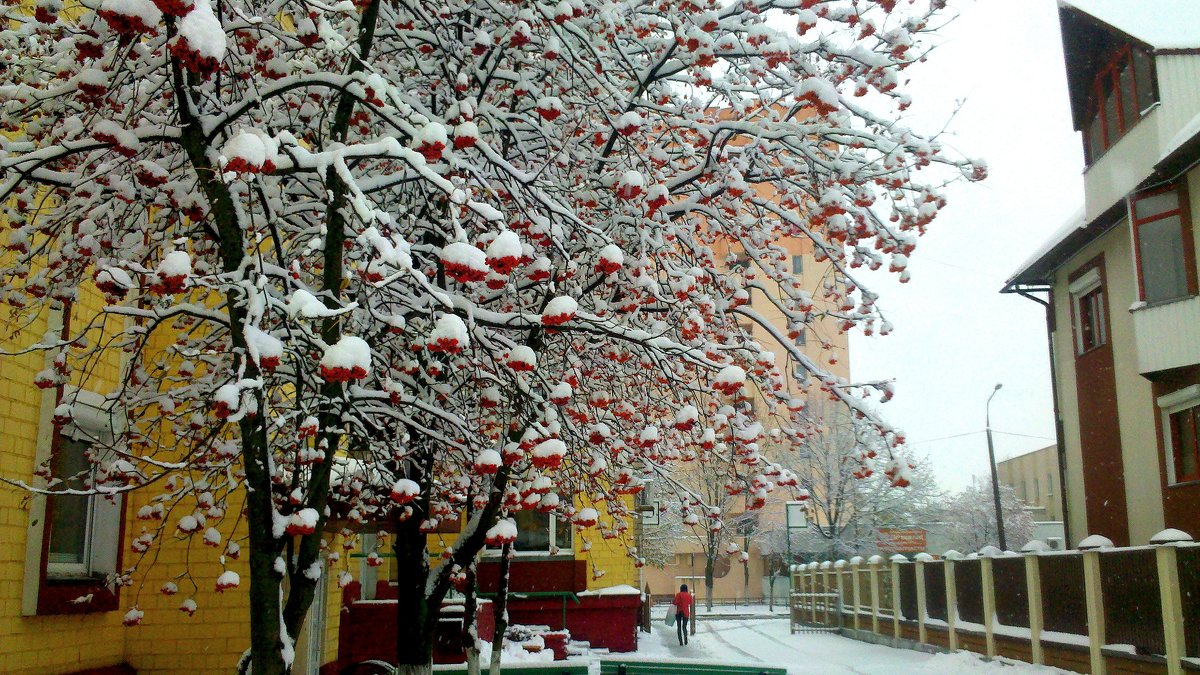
[995, 478]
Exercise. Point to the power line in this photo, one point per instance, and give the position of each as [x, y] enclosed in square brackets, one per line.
[980, 431]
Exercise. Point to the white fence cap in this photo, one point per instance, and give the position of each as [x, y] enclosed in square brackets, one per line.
[1170, 536]
[1095, 541]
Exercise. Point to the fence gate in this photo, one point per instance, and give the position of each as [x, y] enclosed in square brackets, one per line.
[805, 606]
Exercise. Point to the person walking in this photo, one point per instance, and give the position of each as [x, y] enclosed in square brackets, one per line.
[683, 612]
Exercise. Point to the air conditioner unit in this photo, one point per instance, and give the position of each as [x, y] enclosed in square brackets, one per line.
[1055, 543]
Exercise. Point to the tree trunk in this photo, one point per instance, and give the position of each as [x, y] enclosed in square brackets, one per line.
[416, 616]
[709, 564]
[501, 610]
[266, 630]
[470, 625]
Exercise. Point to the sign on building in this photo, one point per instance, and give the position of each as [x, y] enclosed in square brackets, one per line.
[900, 540]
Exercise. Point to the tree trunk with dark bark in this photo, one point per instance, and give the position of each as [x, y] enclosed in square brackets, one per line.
[501, 609]
[470, 635]
[416, 615]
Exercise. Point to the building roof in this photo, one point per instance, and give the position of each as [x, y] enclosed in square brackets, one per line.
[1038, 271]
[1161, 24]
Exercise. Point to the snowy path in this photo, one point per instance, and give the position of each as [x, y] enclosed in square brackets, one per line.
[768, 641]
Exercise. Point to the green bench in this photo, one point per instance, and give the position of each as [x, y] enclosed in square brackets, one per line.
[549, 668]
[639, 667]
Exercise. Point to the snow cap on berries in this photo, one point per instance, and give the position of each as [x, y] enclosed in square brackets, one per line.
[405, 491]
[464, 263]
[449, 335]
[348, 359]
[559, 311]
[503, 532]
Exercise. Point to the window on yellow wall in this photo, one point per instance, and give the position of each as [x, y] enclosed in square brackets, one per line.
[536, 531]
[83, 530]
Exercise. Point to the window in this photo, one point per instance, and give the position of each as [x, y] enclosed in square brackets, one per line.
[1037, 492]
[1087, 299]
[797, 264]
[1162, 234]
[536, 531]
[802, 338]
[83, 530]
[1121, 94]
[1049, 484]
[75, 540]
[1181, 433]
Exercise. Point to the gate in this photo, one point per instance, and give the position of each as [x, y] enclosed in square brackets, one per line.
[805, 607]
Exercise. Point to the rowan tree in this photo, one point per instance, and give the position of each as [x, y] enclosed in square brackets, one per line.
[388, 262]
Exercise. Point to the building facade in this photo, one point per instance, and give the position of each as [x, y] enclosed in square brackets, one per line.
[1123, 303]
[1034, 478]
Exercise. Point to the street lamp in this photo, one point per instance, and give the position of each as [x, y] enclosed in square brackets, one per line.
[987, 411]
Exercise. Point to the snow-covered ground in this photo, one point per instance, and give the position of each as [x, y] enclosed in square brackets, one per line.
[766, 640]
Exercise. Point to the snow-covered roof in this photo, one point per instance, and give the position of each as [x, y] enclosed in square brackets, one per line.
[1070, 226]
[1162, 24]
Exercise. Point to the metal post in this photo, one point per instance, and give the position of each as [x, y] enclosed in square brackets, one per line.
[995, 477]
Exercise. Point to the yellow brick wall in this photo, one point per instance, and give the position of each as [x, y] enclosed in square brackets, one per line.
[168, 640]
[609, 555]
[45, 644]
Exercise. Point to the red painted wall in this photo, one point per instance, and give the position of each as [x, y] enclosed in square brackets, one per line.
[533, 576]
[1100, 429]
[1181, 502]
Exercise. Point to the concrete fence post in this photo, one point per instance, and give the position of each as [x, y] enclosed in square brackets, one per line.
[855, 589]
[921, 636]
[1172, 607]
[1095, 610]
[987, 585]
[874, 577]
[951, 604]
[896, 599]
[1033, 592]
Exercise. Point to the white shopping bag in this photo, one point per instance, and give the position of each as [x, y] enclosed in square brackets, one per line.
[671, 612]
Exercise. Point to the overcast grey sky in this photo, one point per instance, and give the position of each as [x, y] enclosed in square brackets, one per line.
[956, 335]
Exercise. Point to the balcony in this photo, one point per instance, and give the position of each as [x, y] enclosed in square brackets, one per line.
[1167, 334]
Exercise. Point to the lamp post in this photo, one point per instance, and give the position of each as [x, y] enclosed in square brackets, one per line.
[987, 411]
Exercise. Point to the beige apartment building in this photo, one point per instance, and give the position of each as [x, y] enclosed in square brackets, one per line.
[1034, 478]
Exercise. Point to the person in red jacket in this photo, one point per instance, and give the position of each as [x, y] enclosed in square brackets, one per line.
[683, 612]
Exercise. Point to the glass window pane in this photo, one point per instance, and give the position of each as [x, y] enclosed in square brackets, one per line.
[1129, 109]
[1160, 249]
[797, 264]
[1095, 139]
[562, 534]
[1112, 129]
[1148, 207]
[1143, 74]
[533, 531]
[69, 513]
[1185, 446]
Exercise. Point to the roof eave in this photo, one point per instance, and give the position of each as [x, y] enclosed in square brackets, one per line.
[1039, 273]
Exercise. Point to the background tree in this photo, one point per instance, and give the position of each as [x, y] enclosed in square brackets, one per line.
[969, 518]
[384, 261]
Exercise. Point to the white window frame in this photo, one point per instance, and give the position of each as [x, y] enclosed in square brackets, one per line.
[95, 419]
[1085, 284]
[1169, 404]
[93, 422]
[563, 552]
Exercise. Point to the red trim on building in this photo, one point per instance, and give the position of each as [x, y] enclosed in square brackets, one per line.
[1099, 426]
[535, 575]
[1181, 501]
